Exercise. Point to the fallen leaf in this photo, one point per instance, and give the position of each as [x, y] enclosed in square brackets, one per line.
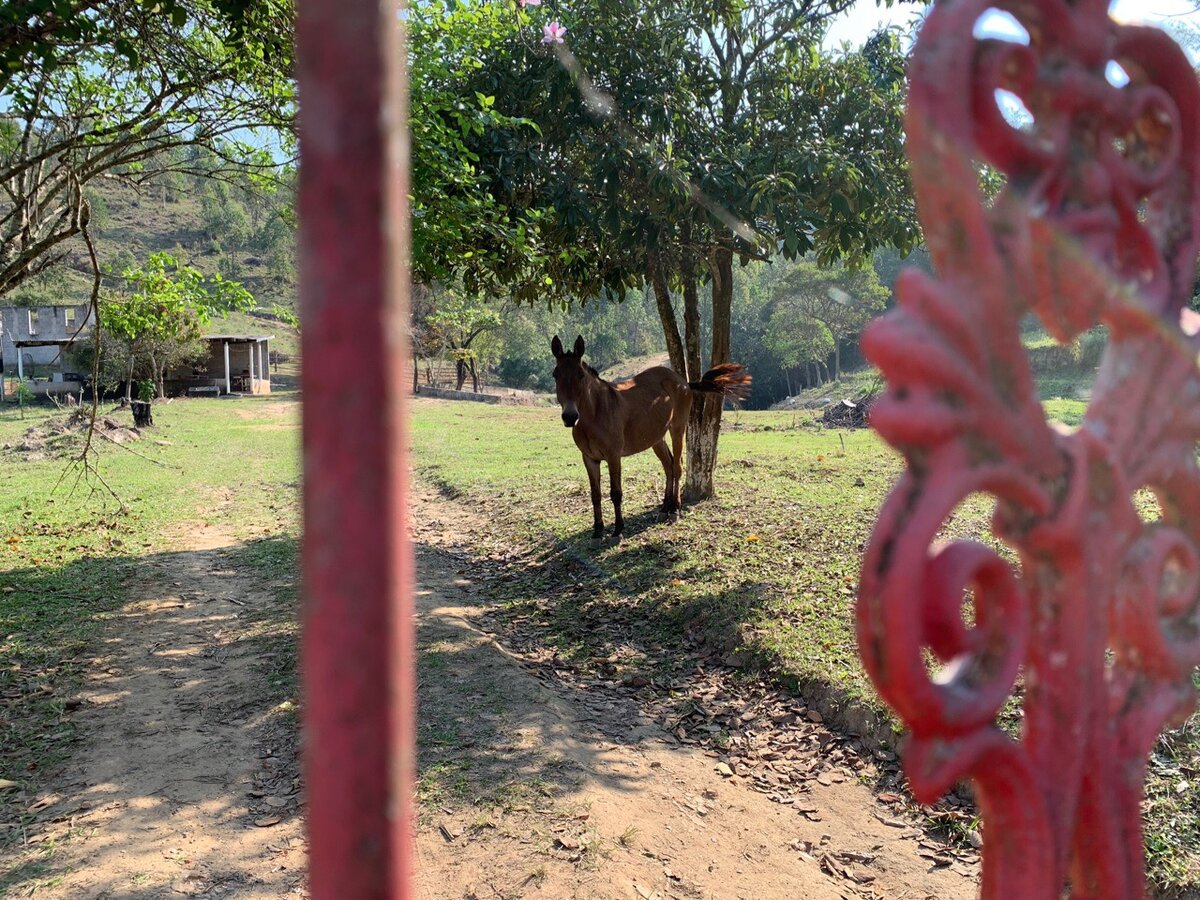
[723, 769]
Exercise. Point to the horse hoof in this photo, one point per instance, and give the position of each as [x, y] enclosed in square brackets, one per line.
[597, 534]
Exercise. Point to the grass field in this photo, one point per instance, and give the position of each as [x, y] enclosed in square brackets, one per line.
[763, 576]
[68, 550]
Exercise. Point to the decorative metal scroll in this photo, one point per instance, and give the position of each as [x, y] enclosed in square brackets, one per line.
[1099, 621]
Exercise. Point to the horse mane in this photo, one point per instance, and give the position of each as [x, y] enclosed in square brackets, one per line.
[591, 371]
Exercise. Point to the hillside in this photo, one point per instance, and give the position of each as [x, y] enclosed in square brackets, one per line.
[240, 239]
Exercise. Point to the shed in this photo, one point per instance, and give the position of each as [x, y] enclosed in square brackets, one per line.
[236, 364]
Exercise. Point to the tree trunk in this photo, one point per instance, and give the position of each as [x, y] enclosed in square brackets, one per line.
[666, 312]
[474, 377]
[416, 372]
[704, 428]
[837, 360]
[460, 374]
[787, 376]
[142, 417]
[691, 308]
[129, 383]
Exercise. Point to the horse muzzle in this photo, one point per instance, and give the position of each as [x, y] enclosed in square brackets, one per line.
[569, 419]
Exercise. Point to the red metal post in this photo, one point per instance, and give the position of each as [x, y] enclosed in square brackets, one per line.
[358, 642]
[1097, 225]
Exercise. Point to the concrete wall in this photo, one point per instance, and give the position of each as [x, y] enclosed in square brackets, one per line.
[51, 324]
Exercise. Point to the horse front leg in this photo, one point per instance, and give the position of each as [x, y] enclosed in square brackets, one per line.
[614, 484]
[593, 470]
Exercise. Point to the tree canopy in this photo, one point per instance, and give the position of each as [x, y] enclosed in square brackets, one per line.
[45, 35]
[162, 318]
[661, 142]
[118, 94]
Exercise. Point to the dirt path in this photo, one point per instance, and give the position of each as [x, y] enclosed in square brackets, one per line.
[186, 781]
[532, 787]
[179, 757]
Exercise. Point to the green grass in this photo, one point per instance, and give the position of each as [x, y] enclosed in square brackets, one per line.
[764, 574]
[769, 567]
[68, 549]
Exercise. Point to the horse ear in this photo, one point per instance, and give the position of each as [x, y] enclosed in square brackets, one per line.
[579, 346]
[556, 347]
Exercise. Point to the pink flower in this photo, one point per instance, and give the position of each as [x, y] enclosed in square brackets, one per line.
[553, 33]
[525, 3]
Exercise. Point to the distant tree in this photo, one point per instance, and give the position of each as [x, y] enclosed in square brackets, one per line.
[838, 299]
[160, 322]
[224, 218]
[460, 317]
[797, 342]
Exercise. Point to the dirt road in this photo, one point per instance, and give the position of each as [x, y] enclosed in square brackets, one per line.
[186, 783]
[532, 787]
[179, 757]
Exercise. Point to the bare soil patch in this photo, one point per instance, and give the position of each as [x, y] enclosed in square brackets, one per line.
[185, 783]
[53, 437]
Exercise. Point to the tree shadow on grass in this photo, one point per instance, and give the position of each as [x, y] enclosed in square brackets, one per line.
[490, 735]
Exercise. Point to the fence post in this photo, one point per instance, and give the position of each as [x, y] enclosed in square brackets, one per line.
[358, 641]
[1097, 225]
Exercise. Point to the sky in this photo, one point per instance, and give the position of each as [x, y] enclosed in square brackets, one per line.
[865, 17]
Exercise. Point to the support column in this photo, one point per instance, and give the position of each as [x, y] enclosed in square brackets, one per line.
[228, 383]
[20, 366]
[357, 656]
[264, 362]
[251, 353]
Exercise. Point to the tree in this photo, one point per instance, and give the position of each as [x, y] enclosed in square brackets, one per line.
[797, 342]
[460, 233]
[460, 318]
[51, 34]
[160, 323]
[823, 306]
[122, 103]
[703, 135]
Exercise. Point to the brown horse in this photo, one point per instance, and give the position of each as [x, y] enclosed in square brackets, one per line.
[610, 421]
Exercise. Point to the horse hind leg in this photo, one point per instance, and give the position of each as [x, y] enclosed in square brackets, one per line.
[676, 479]
[668, 464]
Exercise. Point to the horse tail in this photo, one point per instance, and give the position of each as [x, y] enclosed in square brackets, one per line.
[728, 379]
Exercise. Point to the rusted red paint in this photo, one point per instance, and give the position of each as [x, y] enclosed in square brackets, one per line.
[358, 642]
[1098, 225]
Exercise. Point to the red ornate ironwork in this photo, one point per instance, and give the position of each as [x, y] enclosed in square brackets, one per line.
[358, 627]
[1099, 616]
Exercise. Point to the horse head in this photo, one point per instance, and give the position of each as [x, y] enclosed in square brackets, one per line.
[569, 378]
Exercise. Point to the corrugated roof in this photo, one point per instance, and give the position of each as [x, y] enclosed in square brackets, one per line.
[238, 337]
